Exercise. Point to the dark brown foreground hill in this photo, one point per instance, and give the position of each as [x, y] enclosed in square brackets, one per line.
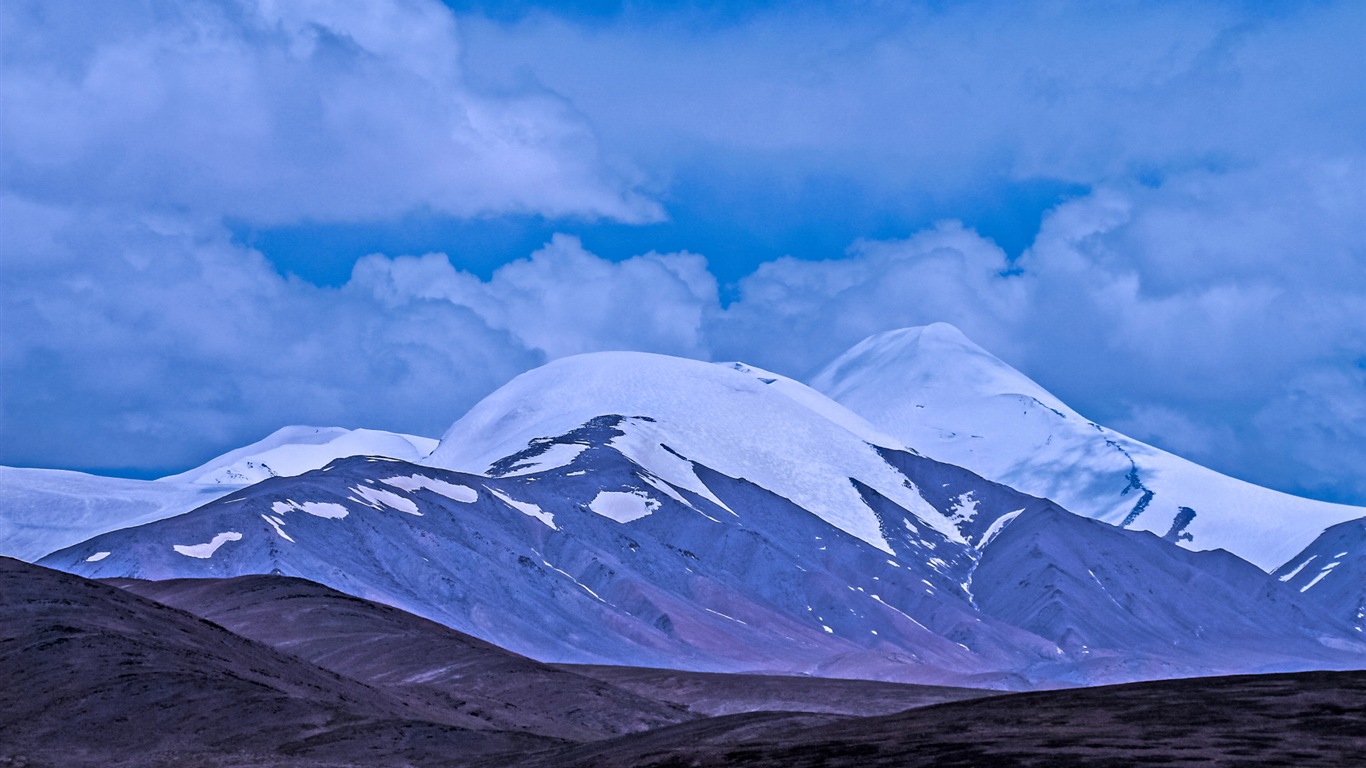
[1299, 719]
[91, 674]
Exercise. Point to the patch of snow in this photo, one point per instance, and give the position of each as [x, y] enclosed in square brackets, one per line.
[582, 586]
[205, 551]
[98, 556]
[323, 509]
[1327, 570]
[316, 508]
[554, 457]
[997, 526]
[278, 525]
[1298, 568]
[526, 508]
[375, 496]
[724, 616]
[647, 449]
[964, 508]
[623, 507]
[666, 489]
[461, 493]
[898, 610]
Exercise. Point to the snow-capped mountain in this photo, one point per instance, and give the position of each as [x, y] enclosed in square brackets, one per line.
[298, 449]
[642, 510]
[948, 398]
[42, 510]
[735, 420]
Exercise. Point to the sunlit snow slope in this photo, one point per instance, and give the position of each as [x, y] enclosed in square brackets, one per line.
[742, 422]
[948, 398]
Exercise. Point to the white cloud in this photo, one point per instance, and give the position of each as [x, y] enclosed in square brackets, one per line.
[1221, 315]
[941, 96]
[564, 300]
[794, 315]
[1311, 434]
[161, 336]
[174, 342]
[281, 111]
[1177, 431]
[1211, 288]
[157, 342]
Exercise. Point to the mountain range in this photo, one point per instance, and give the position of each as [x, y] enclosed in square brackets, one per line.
[637, 509]
[620, 558]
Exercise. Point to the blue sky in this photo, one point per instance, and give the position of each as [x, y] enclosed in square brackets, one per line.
[223, 217]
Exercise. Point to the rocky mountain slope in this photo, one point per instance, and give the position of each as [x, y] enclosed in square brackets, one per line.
[1331, 571]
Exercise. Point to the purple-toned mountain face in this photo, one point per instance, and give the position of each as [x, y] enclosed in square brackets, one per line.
[1331, 572]
[633, 509]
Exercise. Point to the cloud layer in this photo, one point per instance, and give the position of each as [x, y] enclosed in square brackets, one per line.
[275, 112]
[1207, 293]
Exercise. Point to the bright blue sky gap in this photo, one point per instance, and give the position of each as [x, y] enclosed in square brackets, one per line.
[737, 227]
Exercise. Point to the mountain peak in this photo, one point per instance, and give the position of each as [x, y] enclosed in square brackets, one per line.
[940, 333]
[951, 400]
[921, 366]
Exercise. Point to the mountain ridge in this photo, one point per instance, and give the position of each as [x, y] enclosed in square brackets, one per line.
[43, 510]
[636, 535]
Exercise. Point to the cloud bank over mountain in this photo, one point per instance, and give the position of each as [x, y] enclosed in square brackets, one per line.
[1201, 284]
